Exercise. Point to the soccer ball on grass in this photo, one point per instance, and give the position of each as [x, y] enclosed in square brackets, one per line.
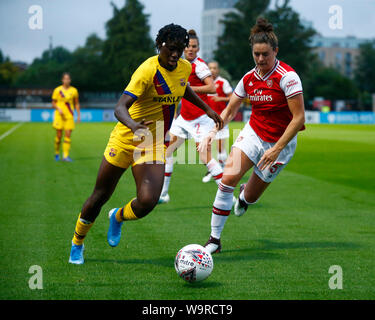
[193, 263]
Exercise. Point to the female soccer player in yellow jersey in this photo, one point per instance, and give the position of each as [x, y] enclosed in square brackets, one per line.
[145, 112]
[64, 101]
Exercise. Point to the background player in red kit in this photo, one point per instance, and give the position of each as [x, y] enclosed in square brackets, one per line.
[269, 140]
[192, 123]
[218, 103]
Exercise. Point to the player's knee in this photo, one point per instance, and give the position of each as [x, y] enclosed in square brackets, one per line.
[146, 203]
[229, 180]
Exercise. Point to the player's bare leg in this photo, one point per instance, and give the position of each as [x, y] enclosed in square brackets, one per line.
[213, 167]
[249, 194]
[174, 144]
[149, 181]
[222, 153]
[106, 182]
[107, 179]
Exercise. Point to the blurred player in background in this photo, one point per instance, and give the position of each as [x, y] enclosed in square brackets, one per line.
[269, 140]
[192, 121]
[145, 112]
[65, 101]
[218, 103]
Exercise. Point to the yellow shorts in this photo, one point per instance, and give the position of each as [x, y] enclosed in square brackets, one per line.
[127, 153]
[62, 124]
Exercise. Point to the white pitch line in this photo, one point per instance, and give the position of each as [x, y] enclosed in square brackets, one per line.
[7, 133]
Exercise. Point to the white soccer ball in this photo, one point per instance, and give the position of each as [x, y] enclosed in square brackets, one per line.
[193, 263]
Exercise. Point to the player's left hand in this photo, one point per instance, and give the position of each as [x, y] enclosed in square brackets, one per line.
[268, 158]
[214, 116]
[207, 140]
[78, 119]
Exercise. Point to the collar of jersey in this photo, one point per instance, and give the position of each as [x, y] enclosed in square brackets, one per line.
[267, 75]
[157, 59]
[196, 58]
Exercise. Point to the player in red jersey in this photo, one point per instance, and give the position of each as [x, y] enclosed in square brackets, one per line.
[269, 140]
[192, 122]
[218, 103]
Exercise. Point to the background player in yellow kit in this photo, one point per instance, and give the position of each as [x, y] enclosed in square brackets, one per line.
[145, 112]
[64, 101]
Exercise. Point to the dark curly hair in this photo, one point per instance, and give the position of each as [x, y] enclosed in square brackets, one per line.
[262, 32]
[172, 32]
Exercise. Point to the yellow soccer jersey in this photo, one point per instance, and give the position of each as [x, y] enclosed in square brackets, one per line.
[65, 100]
[157, 92]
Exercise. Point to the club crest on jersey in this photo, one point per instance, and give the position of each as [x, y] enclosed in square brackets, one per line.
[269, 83]
[183, 82]
[112, 152]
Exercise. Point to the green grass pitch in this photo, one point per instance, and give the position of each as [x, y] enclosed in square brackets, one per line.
[319, 212]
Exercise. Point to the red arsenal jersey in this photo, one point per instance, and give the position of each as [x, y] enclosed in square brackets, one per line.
[199, 72]
[268, 96]
[223, 89]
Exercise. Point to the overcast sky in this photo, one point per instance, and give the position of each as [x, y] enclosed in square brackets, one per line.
[69, 22]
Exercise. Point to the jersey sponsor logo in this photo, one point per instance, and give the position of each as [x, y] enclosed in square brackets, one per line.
[168, 99]
[258, 96]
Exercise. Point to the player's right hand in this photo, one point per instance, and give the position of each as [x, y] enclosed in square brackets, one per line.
[141, 129]
[61, 113]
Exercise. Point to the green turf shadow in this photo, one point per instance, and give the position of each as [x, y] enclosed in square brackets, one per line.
[202, 284]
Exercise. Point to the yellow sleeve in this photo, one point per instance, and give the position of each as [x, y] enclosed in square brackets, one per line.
[140, 80]
[55, 94]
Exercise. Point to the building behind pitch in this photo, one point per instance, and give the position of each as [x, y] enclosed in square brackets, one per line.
[337, 52]
[213, 12]
[340, 53]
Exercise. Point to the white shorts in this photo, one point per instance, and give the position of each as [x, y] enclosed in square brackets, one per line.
[254, 147]
[223, 133]
[196, 129]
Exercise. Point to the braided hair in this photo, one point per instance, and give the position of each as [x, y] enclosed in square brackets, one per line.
[172, 33]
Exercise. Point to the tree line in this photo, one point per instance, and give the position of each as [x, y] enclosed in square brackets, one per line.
[107, 64]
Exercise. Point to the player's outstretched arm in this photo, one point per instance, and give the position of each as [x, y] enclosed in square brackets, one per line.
[232, 108]
[192, 97]
[227, 115]
[208, 87]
